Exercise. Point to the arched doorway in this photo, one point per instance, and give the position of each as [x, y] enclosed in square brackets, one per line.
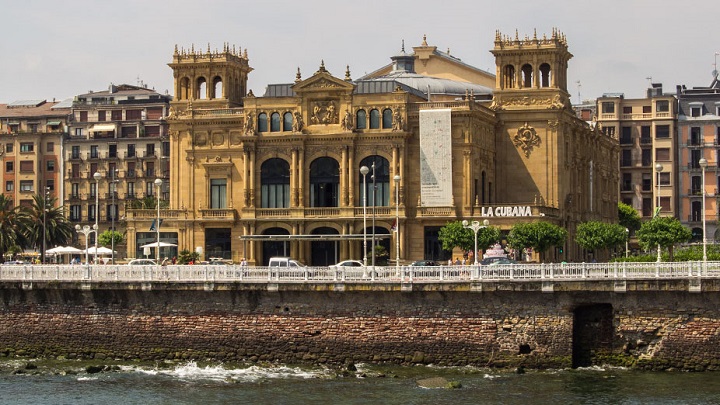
[324, 181]
[324, 253]
[273, 248]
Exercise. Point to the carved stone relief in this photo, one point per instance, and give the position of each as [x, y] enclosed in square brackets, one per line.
[526, 139]
[324, 112]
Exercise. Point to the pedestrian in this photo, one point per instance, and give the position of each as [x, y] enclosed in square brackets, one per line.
[243, 262]
[174, 260]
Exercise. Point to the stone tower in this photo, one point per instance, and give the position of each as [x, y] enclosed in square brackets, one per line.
[211, 79]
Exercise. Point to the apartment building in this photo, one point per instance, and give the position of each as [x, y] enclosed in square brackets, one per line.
[699, 138]
[647, 132]
[31, 136]
[119, 133]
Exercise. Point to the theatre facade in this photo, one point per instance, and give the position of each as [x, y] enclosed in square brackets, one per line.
[324, 167]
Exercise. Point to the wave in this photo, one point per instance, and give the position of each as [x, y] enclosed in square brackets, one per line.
[191, 371]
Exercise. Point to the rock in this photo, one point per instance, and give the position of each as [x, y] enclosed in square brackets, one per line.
[433, 382]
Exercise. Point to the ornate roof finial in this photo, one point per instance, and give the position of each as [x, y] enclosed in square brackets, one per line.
[322, 67]
[347, 73]
[176, 49]
[517, 38]
[535, 34]
[448, 51]
[208, 51]
[297, 76]
[245, 53]
[402, 48]
[424, 43]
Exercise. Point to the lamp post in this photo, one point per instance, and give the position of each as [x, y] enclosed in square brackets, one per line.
[475, 226]
[364, 171]
[158, 184]
[372, 249]
[397, 221]
[658, 169]
[113, 212]
[87, 230]
[703, 165]
[627, 239]
[97, 177]
[44, 208]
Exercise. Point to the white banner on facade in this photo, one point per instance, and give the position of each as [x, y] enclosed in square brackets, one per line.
[435, 158]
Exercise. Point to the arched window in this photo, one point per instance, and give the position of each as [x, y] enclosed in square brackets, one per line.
[217, 91]
[324, 181]
[377, 187]
[275, 122]
[387, 119]
[201, 88]
[287, 121]
[184, 88]
[275, 184]
[262, 124]
[544, 75]
[361, 119]
[527, 76]
[509, 77]
[374, 119]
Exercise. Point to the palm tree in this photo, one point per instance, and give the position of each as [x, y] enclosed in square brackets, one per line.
[11, 225]
[57, 229]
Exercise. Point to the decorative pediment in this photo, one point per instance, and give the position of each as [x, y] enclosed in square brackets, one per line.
[322, 81]
[217, 166]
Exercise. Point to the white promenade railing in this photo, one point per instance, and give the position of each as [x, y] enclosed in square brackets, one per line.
[390, 274]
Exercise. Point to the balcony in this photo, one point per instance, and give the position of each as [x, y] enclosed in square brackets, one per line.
[645, 140]
[219, 214]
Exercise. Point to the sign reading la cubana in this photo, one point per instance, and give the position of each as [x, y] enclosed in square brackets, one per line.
[509, 211]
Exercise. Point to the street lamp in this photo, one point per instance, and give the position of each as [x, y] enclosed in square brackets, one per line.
[87, 230]
[658, 169]
[158, 184]
[703, 165]
[113, 212]
[97, 177]
[372, 249]
[475, 226]
[364, 171]
[397, 220]
[627, 239]
[44, 208]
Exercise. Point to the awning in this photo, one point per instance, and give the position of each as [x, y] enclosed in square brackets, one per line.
[103, 128]
[53, 123]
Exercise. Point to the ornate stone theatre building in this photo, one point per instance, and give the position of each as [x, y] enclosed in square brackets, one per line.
[284, 173]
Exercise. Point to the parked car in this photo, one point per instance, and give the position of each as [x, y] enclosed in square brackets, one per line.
[497, 261]
[425, 263]
[284, 262]
[142, 262]
[348, 263]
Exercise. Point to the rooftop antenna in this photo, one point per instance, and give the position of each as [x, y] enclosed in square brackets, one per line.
[649, 79]
[715, 71]
[578, 87]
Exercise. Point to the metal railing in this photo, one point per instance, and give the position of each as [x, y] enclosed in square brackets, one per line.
[379, 274]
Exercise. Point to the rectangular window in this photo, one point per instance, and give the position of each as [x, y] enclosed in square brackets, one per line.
[93, 189]
[696, 111]
[27, 147]
[75, 171]
[9, 166]
[665, 204]
[131, 170]
[94, 152]
[130, 190]
[101, 115]
[50, 165]
[149, 188]
[9, 185]
[664, 178]
[647, 109]
[662, 154]
[33, 128]
[627, 110]
[626, 136]
[626, 158]
[645, 134]
[8, 148]
[150, 150]
[83, 116]
[218, 198]
[695, 136]
[647, 182]
[116, 115]
[627, 182]
[662, 106]
[26, 185]
[93, 169]
[133, 115]
[646, 156]
[153, 131]
[26, 166]
[662, 131]
[75, 153]
[608, 107]
[150, 169]
[50, 147]
[154, 113]
[91, 212]
[695, 155]
[647, 207]
[166, 147]
[78, 132]
[130, 150]
[75, 213]
[112, 151]
[75, 190]
[50, 185]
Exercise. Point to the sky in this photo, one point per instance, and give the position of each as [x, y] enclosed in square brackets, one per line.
[58, 49]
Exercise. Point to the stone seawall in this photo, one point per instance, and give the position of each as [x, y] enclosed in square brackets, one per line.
[445, 325]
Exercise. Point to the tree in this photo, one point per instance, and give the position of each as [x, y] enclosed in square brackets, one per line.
[106, 238]
[600, 235]
[454, 234]
[57, 229]
[628, 217]
[10, 225]
[184, 256]
[539, 235]
[663, 231]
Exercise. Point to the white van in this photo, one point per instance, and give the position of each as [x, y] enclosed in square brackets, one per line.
[284, 262]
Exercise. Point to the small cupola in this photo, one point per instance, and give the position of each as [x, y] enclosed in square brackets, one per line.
[403, 61]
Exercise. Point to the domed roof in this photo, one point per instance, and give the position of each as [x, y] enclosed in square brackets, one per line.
[433, 84]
